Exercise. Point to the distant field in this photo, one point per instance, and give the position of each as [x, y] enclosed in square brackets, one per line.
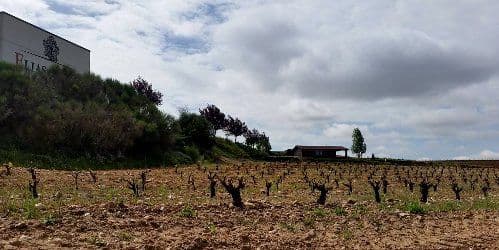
[175, 209]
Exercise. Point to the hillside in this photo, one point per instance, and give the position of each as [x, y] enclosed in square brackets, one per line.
[61, 119]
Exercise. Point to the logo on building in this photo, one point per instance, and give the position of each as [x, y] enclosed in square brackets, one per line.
[51, 48]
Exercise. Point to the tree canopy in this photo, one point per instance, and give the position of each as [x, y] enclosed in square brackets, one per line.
[235, 127]
[358, 145]
[213, 114]
[62, 111]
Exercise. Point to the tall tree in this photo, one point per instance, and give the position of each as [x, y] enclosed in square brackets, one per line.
[252, 137]
[213, 114]
[235, 127]
[144, 88]
[257, 140]
[358, 145]
[197, 131]
[263, 143]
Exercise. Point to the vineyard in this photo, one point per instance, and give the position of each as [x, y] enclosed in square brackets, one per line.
[253, 204]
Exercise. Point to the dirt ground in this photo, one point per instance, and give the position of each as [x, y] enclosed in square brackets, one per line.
[174, 213]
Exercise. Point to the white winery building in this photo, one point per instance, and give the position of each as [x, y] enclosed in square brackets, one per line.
[34, 48]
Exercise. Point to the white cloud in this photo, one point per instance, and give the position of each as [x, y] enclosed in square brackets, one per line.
[483, 155]
[462, 158]
[424, 159]
[489, 155]
[343, 131]
[420, 80]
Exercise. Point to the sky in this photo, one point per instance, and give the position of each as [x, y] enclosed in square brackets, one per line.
[419, 78]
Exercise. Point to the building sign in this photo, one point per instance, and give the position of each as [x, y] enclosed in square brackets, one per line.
[36, 49]
[51, 48]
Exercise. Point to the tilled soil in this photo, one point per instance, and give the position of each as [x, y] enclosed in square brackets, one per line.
[173, 214]
[259, 225]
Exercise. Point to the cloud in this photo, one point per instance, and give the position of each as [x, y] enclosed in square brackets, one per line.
[424, 159]
[289, 51]
[462, 158]
[419, 79]
[489, 155]
[84, 8]
[342, 131]
[483, 155]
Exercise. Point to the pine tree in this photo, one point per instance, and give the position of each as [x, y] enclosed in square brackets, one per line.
[359, 146]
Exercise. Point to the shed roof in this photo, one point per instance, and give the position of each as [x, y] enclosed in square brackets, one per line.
[320, 147]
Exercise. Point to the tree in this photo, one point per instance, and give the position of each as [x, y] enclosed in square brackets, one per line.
[252, 137]
[145, 89]
[213, 114]
[235, 127]
[257, 140]
[197, 131]
[358, 146]
[61, 111]
[263, 143]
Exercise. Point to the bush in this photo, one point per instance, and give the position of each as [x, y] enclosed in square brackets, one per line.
[448, 206]
[193, 153]
[227, 148]
[176, 157]
[320, 212]
[59, 111]
[188, 212]
[339, 211]
[414, 207]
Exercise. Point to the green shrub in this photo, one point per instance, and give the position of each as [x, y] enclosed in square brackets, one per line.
[485, 204]
[212, 228]
[288, 226]
[415, 207]
[340, 211]
[188, 212]
[320, 212]
[227, 148]
[448, 206]
[309, 221]
[30, 210]
[193, 153]
[50, 220]
[176, 157]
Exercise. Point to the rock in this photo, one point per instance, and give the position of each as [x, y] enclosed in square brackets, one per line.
[249, 205]
[403, 214]
[198, 243]
[245, 238]
[20, 226]
[24, 238]
[57, 241]
[311, 234]
[246, 247]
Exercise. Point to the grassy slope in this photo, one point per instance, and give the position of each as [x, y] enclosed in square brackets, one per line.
[223, 148]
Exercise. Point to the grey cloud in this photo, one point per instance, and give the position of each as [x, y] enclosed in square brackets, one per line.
[87, 8]
[291, 68]
[360, 62]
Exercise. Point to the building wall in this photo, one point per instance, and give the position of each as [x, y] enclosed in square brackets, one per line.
[315, 153]
[23, 44]
[319, 153]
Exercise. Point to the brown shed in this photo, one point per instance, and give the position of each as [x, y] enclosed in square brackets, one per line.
[319, 151]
